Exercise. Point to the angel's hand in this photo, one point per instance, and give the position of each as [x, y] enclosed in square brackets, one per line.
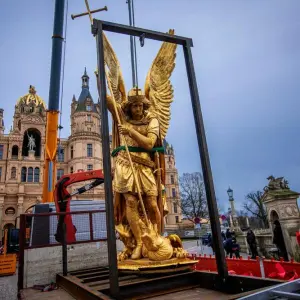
[124, 130]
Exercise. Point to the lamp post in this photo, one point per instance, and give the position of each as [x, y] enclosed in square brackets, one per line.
[233, 214]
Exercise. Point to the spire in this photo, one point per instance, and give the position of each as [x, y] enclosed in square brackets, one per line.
[85, 100]
[1, 122]
[85, 79]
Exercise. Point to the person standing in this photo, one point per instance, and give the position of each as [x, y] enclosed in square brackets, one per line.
[278, 240]
[251, 240]
[228, 234]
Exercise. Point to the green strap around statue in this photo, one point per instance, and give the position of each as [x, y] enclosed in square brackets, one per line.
[136, 149]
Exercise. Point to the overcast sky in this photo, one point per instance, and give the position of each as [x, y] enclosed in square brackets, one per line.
[247, 62]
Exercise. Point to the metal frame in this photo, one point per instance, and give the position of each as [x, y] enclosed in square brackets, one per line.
[23, 247]
[97, 30]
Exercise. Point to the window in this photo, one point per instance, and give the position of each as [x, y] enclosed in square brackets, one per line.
[89, 118]
[10, 211]
[30, 175]
[71, 170]
[1, 151]
[169, 159]
[89, 128]
[15, 151]
[36, 174]
[0, 173]
[13, 173]
[60, 154]
[89, 167]
[88, 108]
[175, 208]
[72, 152]
[23, 174]
[89, 150]
[173, 192]
[172, 179]
[60, 173]
[177, 219]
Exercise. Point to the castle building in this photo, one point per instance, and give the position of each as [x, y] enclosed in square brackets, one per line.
[22, 155]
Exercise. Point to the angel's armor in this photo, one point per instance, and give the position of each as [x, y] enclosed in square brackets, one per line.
[143, 164]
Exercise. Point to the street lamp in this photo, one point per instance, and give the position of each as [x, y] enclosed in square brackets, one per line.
[230, 194]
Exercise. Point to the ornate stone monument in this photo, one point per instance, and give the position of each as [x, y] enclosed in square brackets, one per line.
[281, 205]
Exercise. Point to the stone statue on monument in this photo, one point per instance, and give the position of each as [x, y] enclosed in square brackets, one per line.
[31, 142]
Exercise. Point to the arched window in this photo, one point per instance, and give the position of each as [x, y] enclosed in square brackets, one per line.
[15, 151]
[36, 174]
[23, 174]
[30, 175]
[13, 173]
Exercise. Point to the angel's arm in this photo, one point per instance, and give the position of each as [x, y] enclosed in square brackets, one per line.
[148, 141]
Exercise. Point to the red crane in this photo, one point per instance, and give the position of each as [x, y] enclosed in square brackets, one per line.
[62, 199]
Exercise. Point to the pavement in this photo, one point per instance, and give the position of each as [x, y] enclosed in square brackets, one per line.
[8, 287]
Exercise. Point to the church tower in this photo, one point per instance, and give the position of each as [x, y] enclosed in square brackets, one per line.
[173, 218]
[85, 151]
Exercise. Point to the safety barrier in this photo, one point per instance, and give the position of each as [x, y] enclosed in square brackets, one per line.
[205, 263]
[245, 267]
[251, 267]
[240, 266]
[281, 269]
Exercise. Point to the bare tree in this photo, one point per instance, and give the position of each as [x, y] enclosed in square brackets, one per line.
[192, 193]
[255, 206]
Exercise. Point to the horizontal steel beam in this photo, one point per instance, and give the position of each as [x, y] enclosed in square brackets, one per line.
[136, 31]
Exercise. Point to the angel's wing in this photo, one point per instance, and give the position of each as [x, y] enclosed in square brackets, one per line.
[158, 88]
[115, 76]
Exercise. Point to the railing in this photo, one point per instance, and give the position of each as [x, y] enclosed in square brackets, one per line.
[38, 231]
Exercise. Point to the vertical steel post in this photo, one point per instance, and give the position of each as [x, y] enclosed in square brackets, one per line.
[207, 174]
[91, 226]
[22, 235]
[64, 251]
[109, 203]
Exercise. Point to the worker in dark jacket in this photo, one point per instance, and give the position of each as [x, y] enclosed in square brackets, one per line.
[278, 240]
[228, 234]
[251, 240]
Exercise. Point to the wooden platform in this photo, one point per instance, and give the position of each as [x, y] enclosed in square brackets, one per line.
[92, 284]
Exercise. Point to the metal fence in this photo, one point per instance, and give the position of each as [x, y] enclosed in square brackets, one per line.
[38, 231]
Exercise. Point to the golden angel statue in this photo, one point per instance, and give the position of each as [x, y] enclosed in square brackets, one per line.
[140, 123]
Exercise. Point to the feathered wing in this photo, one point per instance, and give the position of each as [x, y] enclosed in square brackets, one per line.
[114, 73]
[115, 78]
[158, 88]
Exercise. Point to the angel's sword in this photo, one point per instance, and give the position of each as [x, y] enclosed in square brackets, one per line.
[89, 12]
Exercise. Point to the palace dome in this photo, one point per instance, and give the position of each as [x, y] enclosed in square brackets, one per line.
[31, 97]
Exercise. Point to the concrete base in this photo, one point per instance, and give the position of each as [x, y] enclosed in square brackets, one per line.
[42, 264]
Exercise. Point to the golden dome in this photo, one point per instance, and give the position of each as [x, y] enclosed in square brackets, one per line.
[31, 97]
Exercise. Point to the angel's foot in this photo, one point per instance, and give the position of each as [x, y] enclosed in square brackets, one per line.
[137, 252]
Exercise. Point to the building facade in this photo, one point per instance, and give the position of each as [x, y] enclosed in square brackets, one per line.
[22, 155]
